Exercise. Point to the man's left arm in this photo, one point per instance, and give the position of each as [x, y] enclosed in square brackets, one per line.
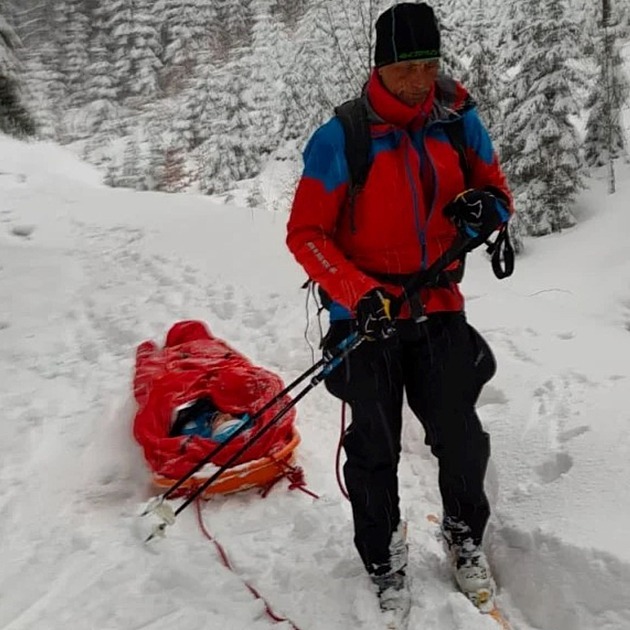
[485, 170]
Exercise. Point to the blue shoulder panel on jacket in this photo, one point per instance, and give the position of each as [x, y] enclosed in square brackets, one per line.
[477, 137]
[324, 156]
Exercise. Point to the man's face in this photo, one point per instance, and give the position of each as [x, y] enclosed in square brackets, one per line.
[410, 81]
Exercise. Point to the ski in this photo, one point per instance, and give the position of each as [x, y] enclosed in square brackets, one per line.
[488, 606]
[497, 615]
[397, 618]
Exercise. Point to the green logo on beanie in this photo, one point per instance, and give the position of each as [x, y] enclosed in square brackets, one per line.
[419, 54]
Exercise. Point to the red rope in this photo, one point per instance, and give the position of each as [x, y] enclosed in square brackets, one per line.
[338, 455]
[228, 565]
[295, 475]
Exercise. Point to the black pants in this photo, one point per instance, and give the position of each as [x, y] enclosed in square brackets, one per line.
[441, 366]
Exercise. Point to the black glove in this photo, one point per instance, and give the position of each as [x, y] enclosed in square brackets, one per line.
[477, 213]
[375, 318]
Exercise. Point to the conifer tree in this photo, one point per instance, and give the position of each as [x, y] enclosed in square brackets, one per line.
[36, 24]
[315, 81]
[201, 102]
[481, 77]
[102, 110]
[185, 32]
[457, 35]
[264, 94]
[605, 138]
[135, 45]
[290, 12]
[73, 33]
[351, 30]
[14, 117]
[146, 51]
[151, 160]
[45, 87]
[233, 25]
[227, 155]
[541, 150]
[130, 172]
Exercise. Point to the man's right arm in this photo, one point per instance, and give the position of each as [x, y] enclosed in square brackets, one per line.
[318, 202]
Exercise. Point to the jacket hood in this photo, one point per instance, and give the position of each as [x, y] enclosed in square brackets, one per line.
[451, 99]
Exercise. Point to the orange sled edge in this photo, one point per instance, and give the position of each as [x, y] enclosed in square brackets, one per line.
[256, 473]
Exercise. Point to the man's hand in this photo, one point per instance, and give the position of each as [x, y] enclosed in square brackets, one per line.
[477, 213]
[375, 318]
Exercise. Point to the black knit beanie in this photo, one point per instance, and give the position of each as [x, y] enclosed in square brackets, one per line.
[404, 32]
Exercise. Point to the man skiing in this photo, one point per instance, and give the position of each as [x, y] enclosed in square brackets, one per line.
[360, 247]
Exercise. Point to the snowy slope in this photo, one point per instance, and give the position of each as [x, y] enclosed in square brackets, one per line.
[86, 273]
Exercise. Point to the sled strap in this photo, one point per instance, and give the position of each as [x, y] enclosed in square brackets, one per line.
[295, 476]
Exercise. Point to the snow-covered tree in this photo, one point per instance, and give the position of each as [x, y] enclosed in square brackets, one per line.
[457, 32]
[127, 175]
[37, 27]
[481, 76]
[135, 46]
[541, 149]
[605, 138]
[73, 35]
[14, 117]
[290, 12]
[176, 175]
[349, 27]
[46, 88]
[185, 31]
[102, 110]
[263, 97]
[233, 25]
[200, 103]
[227, 156]
[313, 83]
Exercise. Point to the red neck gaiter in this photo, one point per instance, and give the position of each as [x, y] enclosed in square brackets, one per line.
[393, 111]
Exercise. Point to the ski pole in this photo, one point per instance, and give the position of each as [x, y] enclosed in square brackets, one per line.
[169, 515]
[326, 365]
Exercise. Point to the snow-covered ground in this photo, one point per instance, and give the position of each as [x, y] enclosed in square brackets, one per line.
[87, 273]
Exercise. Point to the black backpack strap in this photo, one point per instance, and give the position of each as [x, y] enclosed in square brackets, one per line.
[455, 133]
[353, 117]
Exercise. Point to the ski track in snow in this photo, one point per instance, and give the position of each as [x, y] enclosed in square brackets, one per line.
[72, 481]
[552, 583]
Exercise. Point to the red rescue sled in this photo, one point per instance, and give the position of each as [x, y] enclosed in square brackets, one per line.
[195, 364]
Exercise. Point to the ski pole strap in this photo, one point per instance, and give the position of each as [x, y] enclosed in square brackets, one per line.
[502, 254]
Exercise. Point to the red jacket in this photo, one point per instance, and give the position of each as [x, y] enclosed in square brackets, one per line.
[399, 225]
